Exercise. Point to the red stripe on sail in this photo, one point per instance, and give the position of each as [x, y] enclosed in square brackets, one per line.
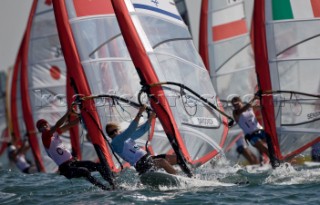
[229, 30]
[203, 33]
[315, 7]
[89, 7]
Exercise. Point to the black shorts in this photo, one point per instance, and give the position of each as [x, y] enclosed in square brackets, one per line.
[144, 164]
[26, 170]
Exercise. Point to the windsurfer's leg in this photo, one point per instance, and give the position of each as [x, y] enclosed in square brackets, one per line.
[171, 158]
[106, 174]
[252, 159]
[261, 147]
[92, 166]
[273, 160]
[77, 172]
[162, 163]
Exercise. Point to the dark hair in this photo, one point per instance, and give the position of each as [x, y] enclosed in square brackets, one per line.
[236, 99]
[114, 126]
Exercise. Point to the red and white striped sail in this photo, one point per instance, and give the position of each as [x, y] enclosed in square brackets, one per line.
[161, 49]
[44, 81]
[41, 77]
[287, 58]
[226, 49]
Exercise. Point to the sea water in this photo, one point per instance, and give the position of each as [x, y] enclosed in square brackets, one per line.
[212, 184]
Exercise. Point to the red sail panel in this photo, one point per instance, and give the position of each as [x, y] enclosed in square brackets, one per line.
[315, 7]
[228, 30]
[89, 7]
[203, 41]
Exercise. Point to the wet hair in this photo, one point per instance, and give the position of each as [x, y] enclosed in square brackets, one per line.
[236, 99]
[110, 127]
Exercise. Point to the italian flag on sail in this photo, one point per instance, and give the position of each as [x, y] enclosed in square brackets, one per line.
[228, 23]
[295, 9]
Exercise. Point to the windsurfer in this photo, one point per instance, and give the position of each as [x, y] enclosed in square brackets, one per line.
[17, 155]
[124, 145]
[69, 166]
[243, 149]
[254, 132]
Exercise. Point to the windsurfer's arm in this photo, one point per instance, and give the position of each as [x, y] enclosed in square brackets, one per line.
[69, 125]
[235, 116]
[61, 121]
[139, 114]
[249, 104]
[24, 148]
[132, 127]
[143, 128]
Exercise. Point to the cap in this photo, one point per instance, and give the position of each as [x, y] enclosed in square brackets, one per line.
[40, 123]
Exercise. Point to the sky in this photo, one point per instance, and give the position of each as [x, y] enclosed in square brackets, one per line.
[13, 19]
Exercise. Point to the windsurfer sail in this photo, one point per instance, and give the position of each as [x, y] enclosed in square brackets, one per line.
[226, 49]
[286, 38]
[155, 35]
[44, 86]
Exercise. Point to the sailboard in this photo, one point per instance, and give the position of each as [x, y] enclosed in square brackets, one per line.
[157, 179]
[225, 45]
[154, 34]
[286, 34]
[311, 164]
